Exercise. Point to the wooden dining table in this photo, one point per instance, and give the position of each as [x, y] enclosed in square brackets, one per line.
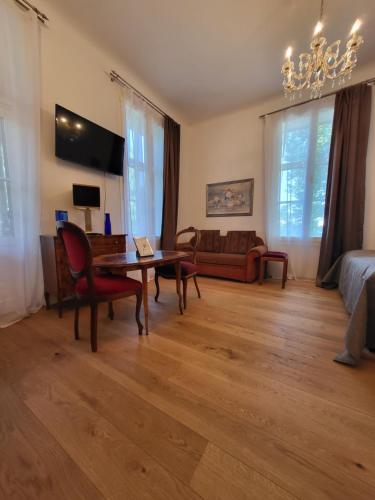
[130, 261]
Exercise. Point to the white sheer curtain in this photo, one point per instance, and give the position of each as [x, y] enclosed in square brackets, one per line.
[21, 283]
[296, 152]
[143, 172]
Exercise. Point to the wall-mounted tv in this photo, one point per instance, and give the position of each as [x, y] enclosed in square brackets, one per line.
[81, 141]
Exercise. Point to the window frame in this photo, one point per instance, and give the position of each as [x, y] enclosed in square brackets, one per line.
[310, 167]
[144, 160]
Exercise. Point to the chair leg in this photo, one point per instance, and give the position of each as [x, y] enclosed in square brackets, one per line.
[94, 326]
[111, 313]
[196, 286]
[76, 320]
[157, 287]
[137, 312]
[184, 291]
[285, 273]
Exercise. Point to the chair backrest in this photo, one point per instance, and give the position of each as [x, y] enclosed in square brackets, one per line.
[78, 250]
[192, 244]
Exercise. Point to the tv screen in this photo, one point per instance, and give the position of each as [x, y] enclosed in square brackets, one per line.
[86, 196]
[80, 141]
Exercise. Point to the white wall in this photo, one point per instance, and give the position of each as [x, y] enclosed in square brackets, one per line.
[228, 147]
[74, 75]
[231, 147]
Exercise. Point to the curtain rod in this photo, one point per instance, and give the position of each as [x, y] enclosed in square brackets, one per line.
[371, 81]
[115, 77]
[25, 4]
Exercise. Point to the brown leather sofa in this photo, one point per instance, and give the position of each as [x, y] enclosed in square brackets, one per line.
[234, 256]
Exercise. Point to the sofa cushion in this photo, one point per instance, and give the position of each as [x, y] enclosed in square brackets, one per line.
[210, 240]
[226, 259]
[240, 241]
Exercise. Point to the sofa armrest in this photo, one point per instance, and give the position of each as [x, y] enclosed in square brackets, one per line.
[253, 261]
[257, 251]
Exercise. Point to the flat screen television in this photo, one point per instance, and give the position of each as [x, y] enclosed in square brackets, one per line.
[81, 141]
[86, 196]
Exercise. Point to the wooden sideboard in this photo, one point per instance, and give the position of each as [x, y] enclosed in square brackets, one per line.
[58, 282]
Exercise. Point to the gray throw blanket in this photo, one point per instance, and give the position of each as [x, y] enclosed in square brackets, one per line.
[354, 273]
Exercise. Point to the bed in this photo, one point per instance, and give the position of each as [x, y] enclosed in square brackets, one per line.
[354, 274]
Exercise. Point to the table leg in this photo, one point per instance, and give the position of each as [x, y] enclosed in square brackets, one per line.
[145, 297]
[178, 285]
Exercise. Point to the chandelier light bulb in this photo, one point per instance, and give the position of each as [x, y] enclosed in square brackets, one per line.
[355, 27]
[318, 28]
[288, 52]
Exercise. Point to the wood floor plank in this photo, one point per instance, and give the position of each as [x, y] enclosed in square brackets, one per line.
[114, 464]
[237, 398]
[172, 444]
[202, 346]
[295, 421]
[284, 366]
[283, 338]
[32, 463]
[220, 476]
[291, 468]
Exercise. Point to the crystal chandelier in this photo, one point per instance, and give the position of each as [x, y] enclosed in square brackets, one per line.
[322, 63]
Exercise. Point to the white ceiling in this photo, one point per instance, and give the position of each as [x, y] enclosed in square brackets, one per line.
[211, 56]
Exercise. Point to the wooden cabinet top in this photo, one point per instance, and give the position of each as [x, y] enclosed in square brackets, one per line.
[89, 235]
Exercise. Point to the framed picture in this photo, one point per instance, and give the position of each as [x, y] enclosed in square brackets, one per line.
[144, 248]
[232, 198]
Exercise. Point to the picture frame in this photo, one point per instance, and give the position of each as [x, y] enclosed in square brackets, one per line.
[144, 248]
[230, 198]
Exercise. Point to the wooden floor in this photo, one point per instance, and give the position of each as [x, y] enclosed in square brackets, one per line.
[237, 399]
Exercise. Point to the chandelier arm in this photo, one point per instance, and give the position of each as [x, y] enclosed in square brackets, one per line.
[330, 69]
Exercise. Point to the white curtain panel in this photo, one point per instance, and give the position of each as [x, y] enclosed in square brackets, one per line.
[21, 283]
[143, 172]
[296, 154]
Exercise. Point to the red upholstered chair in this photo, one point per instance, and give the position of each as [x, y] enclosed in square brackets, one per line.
[91, 288]
[189, 267]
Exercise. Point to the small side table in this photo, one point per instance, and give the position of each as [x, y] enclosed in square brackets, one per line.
[274, 257]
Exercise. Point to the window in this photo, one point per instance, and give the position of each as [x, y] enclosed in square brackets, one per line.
[297, 143]
[144, 169]
[303, 173]
[6, 216]
[21, 277]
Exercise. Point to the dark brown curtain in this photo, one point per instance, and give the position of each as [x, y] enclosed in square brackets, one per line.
[345, 197]
[171, 182]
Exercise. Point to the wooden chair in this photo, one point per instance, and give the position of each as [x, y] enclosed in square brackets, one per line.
[189, 267]
[89, 287]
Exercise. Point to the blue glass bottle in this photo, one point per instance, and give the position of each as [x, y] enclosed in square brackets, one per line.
[107, 225]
